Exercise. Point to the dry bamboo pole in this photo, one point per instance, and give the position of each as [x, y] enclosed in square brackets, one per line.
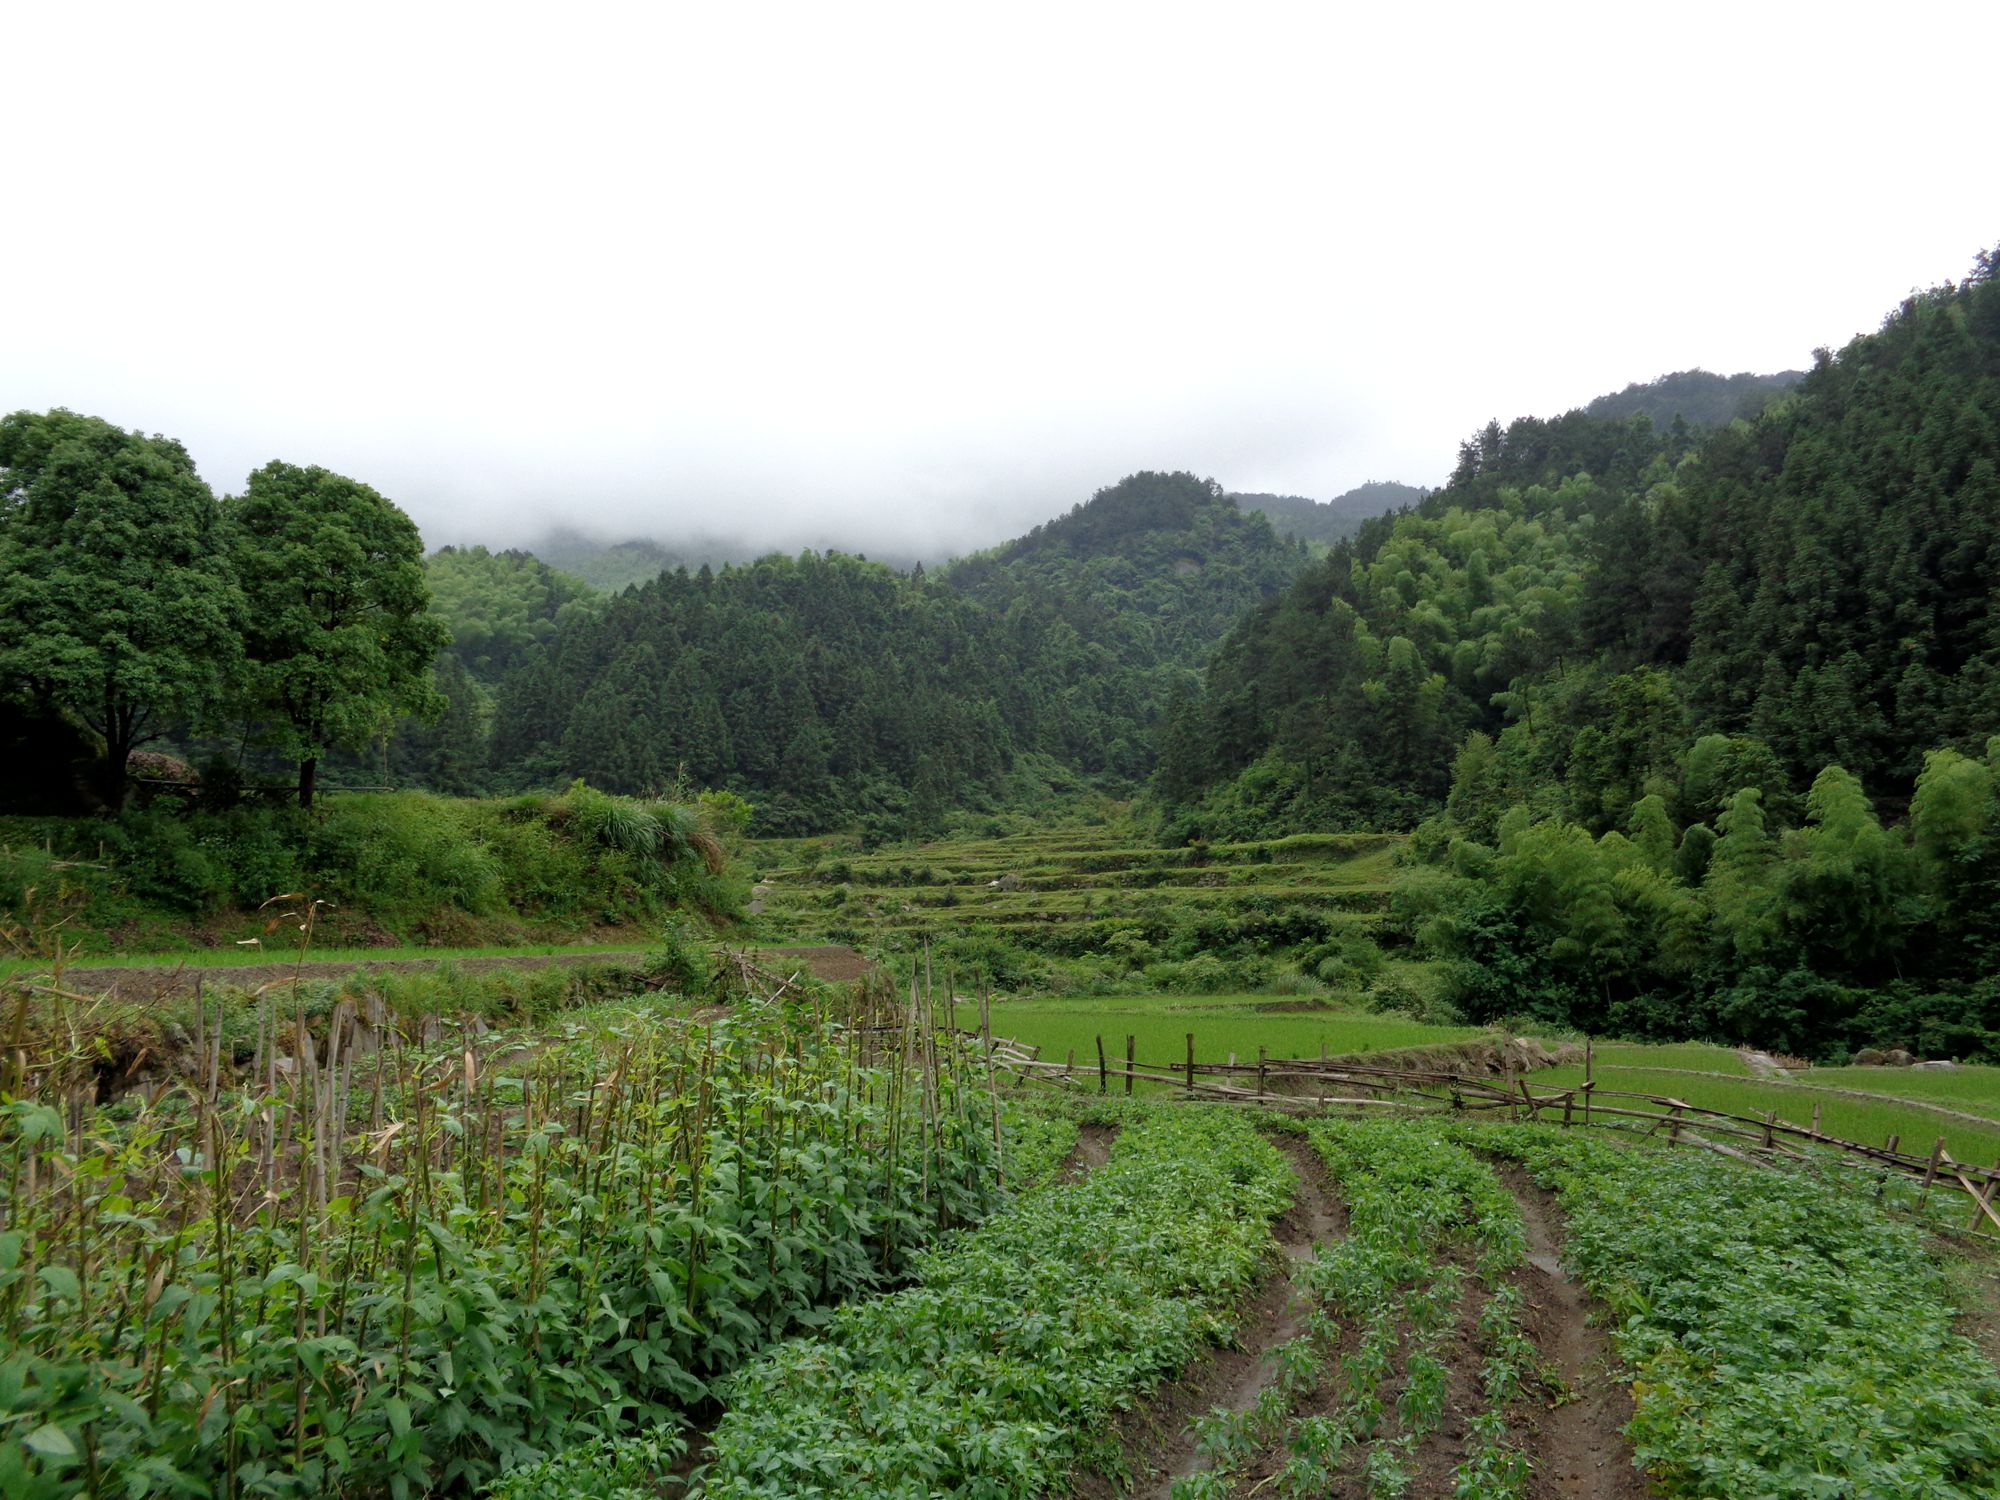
[1982, 1198]
[1190, 1062]
[1131, 1045]
[992, 1089]
[1103, 1082]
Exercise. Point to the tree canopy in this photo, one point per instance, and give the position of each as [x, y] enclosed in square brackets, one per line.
[338, 637]
[117, 604]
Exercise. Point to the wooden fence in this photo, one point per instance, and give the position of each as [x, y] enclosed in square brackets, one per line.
[1314, 1084]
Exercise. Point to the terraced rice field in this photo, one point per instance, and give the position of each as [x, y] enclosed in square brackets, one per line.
[1093, 882]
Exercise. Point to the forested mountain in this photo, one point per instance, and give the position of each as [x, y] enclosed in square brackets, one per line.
[1644, 692]
[1326, 522]
[613, 566]
[827, 688]
[1696, 397]
[1592, 593]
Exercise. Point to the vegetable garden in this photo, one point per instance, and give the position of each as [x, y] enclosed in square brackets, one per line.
[817, 1242]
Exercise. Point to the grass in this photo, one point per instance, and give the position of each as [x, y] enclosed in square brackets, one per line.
[1221, 1024]
[1976, 1090]
[1870, 1122]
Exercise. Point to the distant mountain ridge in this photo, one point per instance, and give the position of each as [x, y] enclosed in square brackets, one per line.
[1699, 398]
[1329, 521]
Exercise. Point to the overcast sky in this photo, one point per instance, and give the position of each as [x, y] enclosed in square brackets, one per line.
[917, 277]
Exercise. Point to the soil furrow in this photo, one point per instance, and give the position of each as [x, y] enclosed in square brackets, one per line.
[1578, 1446]
[1154, 1437]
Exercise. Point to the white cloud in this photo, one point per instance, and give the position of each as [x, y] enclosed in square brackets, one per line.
[933, 273]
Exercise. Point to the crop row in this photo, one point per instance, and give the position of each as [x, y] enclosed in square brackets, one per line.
[1005, 1362]
[1791, 1340]
[411, 1268]
[1389, 1297]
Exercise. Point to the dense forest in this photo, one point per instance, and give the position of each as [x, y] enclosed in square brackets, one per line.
[830, 690]
[1642, 692]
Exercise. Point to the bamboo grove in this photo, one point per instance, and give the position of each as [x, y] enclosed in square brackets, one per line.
[390, 1260]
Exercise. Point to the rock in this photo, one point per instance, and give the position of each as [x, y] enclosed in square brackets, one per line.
[1870, 1057]
[1936, 1065]
[1898, 1058]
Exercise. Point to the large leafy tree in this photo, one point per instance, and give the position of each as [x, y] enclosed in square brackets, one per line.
[338, 638]
[116, 602]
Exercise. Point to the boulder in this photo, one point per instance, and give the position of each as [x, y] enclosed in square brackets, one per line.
[1898, 1058]
[1870, 1057]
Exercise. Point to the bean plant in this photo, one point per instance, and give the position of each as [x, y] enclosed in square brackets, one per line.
[389, 1265]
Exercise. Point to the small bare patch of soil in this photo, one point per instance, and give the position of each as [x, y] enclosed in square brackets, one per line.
[1154, 1437]
[1091, 1151]
[1977, 1284]
[1578, 1446]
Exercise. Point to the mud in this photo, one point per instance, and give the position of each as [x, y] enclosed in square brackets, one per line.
[1578, 1444]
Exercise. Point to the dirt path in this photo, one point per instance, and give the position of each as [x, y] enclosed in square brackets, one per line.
[831, 963]
[1578, 1447]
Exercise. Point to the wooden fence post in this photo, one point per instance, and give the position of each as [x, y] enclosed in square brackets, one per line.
[1190, 1065]
[1069, 1068]
[1931, 1171]
[1260, 1072]
[1131, 1051]
[1815, 1123]
[1103, 1080]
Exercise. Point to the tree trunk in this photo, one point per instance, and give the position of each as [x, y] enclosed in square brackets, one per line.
[120, 730]
[308, 775]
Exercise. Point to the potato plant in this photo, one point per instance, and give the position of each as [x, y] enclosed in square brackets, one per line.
[1791, 1339]
[1003, 1363]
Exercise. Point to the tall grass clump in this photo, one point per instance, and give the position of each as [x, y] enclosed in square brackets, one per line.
[378, 1263]
[407, 864]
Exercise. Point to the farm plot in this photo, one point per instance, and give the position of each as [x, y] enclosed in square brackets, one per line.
[1018, 1341]
[377, 1265]
[1789, 1338]
[1413, 1371]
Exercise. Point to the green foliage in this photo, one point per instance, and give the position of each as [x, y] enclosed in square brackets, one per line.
[1814, 940]
[1790, 1339]
[1021, 1339]
[493, 1277]
[338, 638]
[117, 604]
[419, 866]
[1588, 594]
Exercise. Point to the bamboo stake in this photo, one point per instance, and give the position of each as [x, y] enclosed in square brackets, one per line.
[1131, 1044]
[1190, 1062]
